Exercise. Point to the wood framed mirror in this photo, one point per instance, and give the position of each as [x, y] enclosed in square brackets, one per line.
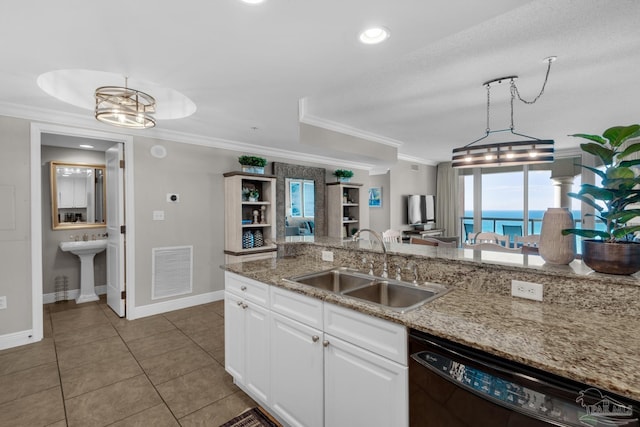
[78, 195]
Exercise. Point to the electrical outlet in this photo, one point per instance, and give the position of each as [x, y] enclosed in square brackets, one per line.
[158, 215]
[173, 198]
[527, 290]
[3, 303]
[327, 256]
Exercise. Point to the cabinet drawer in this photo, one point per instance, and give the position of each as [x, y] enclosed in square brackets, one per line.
[246, 288]
[299, 307]
[380, 336]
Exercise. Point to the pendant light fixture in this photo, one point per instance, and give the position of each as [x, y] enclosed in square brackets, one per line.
[528, 151]
[125, 107]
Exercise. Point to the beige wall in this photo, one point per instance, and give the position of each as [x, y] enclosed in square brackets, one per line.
[15, 233]
[55, 262]
[405, 181]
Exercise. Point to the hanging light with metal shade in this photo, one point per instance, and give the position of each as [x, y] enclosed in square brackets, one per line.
[529, 151]
[125, 107]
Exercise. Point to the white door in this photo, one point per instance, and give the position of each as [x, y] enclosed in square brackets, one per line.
[115, 239]
[363, 388]
[297, 372]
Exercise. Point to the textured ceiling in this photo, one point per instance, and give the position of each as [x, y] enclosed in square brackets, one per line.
[248, 66]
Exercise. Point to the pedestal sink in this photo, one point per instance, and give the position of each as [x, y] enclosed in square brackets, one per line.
[86, 250]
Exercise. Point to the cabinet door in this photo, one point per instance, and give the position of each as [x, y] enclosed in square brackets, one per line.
[257, 350]
[362, 388]
[297, 372]
[234, 334]
[80, 192]
[65, 191]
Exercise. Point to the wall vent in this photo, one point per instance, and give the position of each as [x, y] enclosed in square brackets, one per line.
[415, 168]
[172, 271]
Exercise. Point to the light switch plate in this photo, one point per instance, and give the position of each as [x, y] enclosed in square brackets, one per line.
[158, 215]
[3, 303]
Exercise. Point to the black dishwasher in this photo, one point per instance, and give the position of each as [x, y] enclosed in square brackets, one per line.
[451, 385]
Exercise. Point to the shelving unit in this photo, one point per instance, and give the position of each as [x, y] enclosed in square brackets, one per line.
[239, 217]
[343, 208]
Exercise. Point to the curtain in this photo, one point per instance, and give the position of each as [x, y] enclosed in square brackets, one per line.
[447, 199]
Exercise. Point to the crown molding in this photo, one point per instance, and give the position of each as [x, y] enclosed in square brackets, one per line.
[81, 120]
[414, 159]
[309, 119]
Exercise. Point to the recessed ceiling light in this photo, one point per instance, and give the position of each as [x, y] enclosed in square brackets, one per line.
[374, 35]
[86, 146]
[253, 1]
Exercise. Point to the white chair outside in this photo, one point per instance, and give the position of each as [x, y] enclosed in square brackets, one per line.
[392, 236]
[487, 237]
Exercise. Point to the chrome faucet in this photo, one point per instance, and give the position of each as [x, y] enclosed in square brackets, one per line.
[385, 272]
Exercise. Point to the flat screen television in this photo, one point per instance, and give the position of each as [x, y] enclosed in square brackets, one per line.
[420, 209]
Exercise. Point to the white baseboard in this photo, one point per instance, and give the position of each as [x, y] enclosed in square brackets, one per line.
[175, 304]
[16, 339]
[71, 294]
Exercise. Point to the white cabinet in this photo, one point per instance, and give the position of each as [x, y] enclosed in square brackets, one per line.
[362, 388]
[297, 369]
[72, 191]
[246, 331]
[335, 366]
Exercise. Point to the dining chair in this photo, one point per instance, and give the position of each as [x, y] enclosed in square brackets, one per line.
[392, 236]
[512, 231]
[489, 246]
[468, 228]
[488, 237]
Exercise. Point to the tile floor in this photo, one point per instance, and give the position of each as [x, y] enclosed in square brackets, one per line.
[95, 369]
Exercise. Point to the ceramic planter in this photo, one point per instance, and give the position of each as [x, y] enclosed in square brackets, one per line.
[611, 258]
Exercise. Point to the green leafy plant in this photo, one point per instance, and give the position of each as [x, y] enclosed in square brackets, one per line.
[342, 173]
[252, 161]
[618, 191]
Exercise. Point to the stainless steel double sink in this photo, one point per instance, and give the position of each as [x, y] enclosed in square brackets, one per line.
[392, 294]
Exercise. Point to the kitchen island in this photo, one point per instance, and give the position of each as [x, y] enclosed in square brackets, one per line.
[586, 329]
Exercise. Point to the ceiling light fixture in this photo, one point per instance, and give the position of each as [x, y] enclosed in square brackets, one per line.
[374, 35]
[125, 107]
[253, 1]
[529, 151]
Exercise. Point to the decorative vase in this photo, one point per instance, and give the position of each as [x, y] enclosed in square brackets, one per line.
[247, 240]
[555, 248]
[258, 239]
[611, 258]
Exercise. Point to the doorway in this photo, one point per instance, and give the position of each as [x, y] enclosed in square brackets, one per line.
[39, 132]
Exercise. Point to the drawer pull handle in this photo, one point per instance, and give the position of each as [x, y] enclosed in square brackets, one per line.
[325, 343]
[243, 288]
[239, 302]
[244, 306]
[315, 338]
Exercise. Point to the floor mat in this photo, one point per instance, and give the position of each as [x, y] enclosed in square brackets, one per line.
[254, 417]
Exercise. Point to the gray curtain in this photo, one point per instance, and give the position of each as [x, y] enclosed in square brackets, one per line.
[447, 199]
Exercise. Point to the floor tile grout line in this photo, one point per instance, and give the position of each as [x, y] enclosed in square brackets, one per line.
[55, 349]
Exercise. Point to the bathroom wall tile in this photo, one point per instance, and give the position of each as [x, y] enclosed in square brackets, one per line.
[95, 351]
[196, 389]
[112, 403]
[145, 327]
[175, 363]
[28, 381]
[84, 335]
[28, 356]
[38, 409]
[219, 412]
[94, 375]
[157, 416]
[155, 345]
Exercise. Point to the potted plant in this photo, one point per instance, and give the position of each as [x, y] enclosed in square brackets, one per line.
[252, 164]
[612, 250]
[343, 175]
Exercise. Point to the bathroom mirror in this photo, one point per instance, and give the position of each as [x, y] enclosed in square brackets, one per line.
[299, 215]
[78, 195]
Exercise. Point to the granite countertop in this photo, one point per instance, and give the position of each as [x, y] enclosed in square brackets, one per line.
[599, 349]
